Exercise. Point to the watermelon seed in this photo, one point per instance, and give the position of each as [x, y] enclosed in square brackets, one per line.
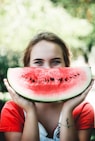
[60, 79]
[52, 79]
[66, 79]
[30, 79]
[33, 80]
[46, 80]
[70, 77]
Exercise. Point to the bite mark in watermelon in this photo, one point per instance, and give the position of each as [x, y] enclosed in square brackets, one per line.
[49, 85]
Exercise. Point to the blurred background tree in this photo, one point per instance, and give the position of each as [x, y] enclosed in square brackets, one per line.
[8, 58]
[82, 9]
[72, 20]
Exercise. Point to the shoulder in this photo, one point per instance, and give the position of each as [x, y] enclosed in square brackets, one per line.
[12, 109]
[12, 117]
[84, 107]
[84, 115]
[11, 106]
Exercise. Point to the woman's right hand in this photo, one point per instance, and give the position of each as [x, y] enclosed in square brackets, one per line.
[23, 103]
[31, 121]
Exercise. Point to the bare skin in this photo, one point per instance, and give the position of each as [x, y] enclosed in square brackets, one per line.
[48, 55]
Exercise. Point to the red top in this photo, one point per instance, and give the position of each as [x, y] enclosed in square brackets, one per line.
[12, 117]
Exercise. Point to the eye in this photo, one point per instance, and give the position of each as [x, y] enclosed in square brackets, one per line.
[55, 62]
[38, 63]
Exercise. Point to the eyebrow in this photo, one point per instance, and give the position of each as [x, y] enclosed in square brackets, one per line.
[56, 58]
[38, 59]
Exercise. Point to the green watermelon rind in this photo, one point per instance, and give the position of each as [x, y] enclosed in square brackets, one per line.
[42, 98]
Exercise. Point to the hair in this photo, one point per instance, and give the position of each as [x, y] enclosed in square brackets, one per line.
[51, 37]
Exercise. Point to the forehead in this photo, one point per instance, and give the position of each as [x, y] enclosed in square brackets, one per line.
[46, 49]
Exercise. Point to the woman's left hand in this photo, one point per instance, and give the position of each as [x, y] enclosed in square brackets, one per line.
[72, 103]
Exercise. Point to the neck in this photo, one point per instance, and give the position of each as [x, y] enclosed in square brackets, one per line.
[49, 105]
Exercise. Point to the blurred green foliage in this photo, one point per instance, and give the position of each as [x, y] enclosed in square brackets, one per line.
[83, 9]
[20, 20]
[8, 58]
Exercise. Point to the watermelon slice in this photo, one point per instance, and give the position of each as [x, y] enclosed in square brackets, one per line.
[49, 85]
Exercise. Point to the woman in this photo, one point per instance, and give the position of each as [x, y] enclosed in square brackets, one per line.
[22, 120]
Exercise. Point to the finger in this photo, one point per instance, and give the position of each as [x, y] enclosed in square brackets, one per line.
[92, 82]
[85, 93]
[10, 90]
[7, 85]
[89, 87]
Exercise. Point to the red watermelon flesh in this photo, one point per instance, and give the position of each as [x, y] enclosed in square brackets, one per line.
[49, 85]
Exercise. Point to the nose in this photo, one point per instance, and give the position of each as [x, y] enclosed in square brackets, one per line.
[47, 65]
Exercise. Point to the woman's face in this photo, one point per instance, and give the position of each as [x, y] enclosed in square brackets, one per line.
[47, 55]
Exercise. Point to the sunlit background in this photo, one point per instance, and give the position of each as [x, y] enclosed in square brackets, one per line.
[73, 21]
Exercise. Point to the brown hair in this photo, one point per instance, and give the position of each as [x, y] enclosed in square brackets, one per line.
[48, 36]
